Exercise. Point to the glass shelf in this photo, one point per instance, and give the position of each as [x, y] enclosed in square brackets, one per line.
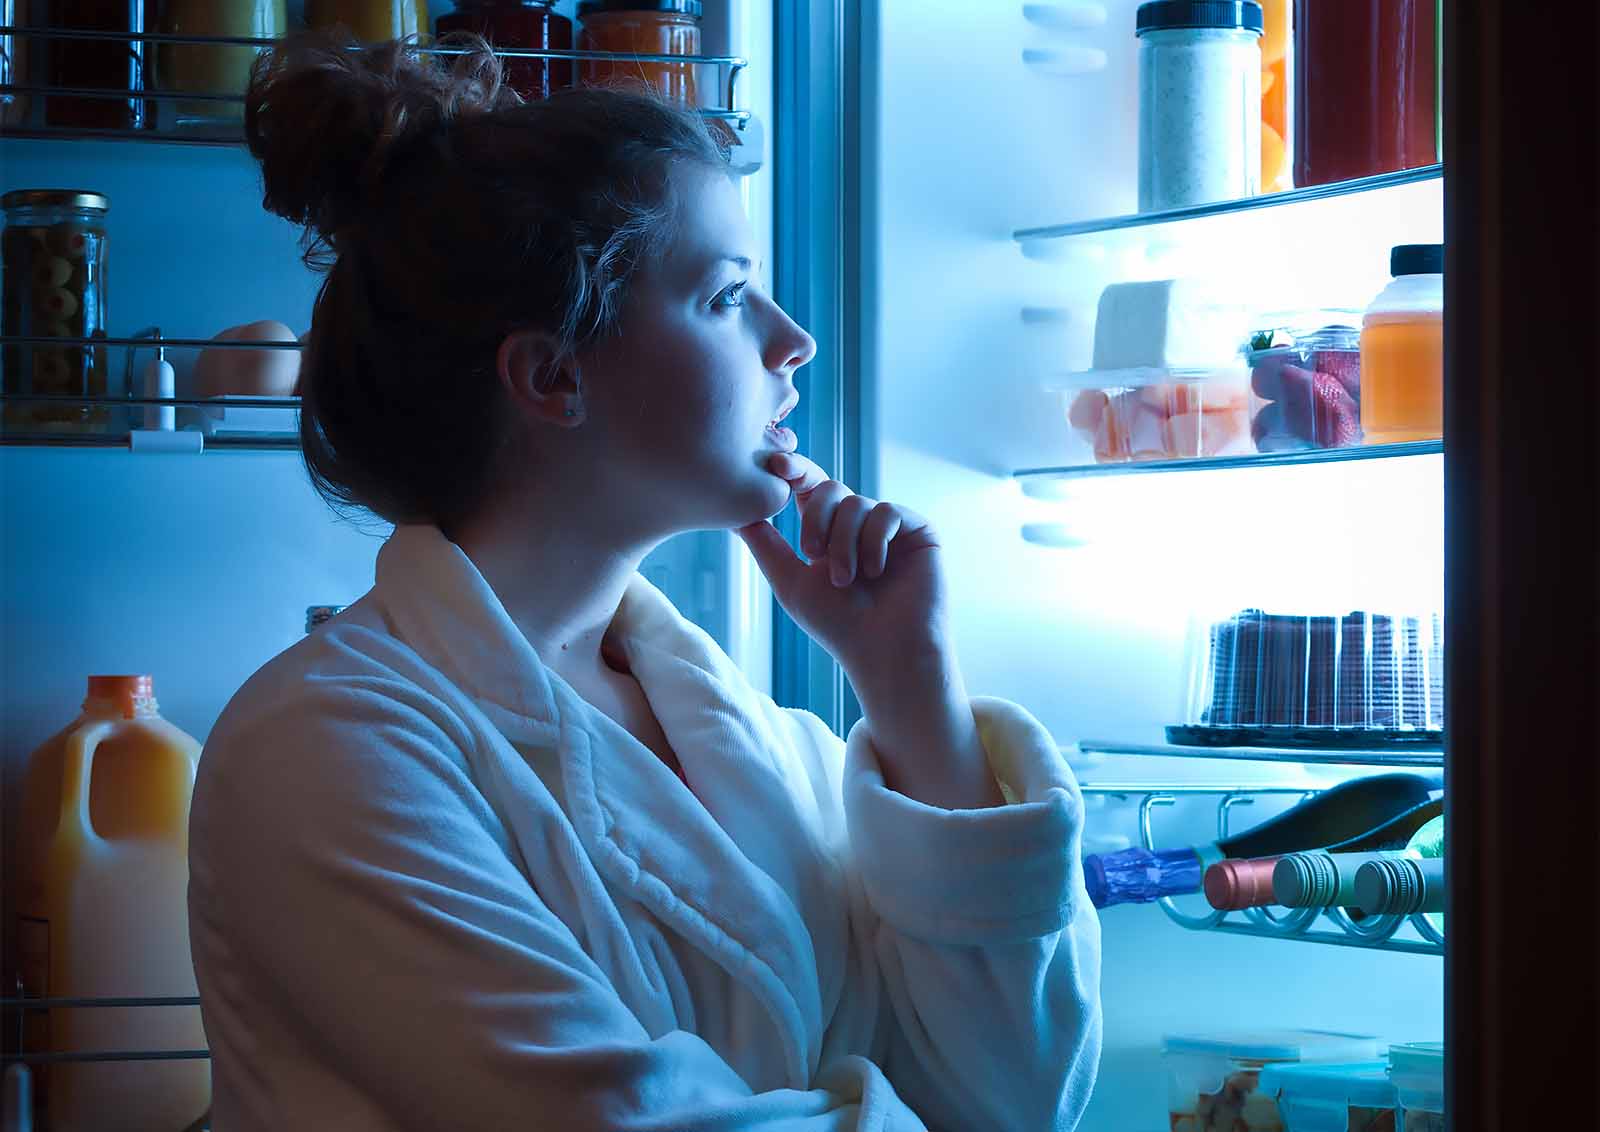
[1035, 481]
[1421, 756]
[1225, 207]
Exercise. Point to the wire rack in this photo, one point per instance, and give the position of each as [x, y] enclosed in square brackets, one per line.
[1313, 925]
[142, 93]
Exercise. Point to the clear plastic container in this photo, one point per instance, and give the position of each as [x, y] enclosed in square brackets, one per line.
[1155, 414]
[211, 68]
[1358, 1097]
[1308, 379]
[1417, 1070]
[1358, 679]
[1199, 102]
[1214, 1080]
[1402, 350]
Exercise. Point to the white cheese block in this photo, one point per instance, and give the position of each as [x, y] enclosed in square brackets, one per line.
[1167, 324]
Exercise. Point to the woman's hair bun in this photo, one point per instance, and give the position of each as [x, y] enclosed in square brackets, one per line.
[328, 118]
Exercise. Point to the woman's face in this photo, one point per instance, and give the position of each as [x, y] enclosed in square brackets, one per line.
[680, 402]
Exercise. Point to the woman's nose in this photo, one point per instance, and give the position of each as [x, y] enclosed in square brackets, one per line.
[790, 347]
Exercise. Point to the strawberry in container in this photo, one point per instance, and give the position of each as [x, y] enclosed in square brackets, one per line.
[1310, 383]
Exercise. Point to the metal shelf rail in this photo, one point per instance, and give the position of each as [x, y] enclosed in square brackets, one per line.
[1313, 925]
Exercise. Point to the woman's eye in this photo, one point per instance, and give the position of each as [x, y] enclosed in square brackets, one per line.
[730, 296]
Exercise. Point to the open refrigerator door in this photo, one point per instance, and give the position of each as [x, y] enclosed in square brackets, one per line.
[1123, 381]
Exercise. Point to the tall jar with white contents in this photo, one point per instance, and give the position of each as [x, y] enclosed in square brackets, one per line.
[1199, 102]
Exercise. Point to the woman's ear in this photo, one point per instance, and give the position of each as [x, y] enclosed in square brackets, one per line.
[541, 380]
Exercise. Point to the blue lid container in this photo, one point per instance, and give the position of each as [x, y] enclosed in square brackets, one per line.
[1319, 1097]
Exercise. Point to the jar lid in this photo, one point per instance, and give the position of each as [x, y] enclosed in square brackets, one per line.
[682, 7]
[55, 198]
[1416, 259]
[1165, 15]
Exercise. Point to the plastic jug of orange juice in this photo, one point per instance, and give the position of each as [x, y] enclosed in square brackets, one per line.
[1402, 350]
[102, 913]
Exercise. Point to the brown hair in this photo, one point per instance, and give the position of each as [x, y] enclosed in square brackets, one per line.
[446, 213]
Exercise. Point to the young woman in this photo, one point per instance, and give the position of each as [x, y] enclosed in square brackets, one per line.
[510, 844]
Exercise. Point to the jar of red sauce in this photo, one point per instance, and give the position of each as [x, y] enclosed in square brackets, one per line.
[1366, 92]
[529, 25]
[641, 27]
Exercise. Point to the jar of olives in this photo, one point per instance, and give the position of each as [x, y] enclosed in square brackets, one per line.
[53, 253]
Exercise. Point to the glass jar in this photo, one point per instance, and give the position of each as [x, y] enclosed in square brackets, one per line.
[1199, 102]
[1366, 88]
[527, 24]
[371, 21]
[53, 251]
[213, 69]
[641, 27]
[112, 65]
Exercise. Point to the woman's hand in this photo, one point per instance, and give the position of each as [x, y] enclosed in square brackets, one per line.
[873, 591]
[873, 595]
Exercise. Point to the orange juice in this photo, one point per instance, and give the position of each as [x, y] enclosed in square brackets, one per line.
[102, 912]
[1402, 377]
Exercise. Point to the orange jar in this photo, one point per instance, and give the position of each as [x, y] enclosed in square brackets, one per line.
[1402, 350]
[641, 27]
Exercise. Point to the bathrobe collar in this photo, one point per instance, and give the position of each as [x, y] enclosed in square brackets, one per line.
[720, 883]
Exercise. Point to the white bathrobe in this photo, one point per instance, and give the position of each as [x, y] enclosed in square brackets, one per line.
[433, 888]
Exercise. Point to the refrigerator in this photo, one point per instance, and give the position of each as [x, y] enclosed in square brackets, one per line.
[945, 188]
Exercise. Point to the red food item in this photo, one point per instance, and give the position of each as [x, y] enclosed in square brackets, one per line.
[1088, 408]
[1336, 416]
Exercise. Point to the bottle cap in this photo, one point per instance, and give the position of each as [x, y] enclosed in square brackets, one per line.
[131, 693]
[1166, 15]
[317, 614]
[681, 7]
[1238, 884]
[1306, 880]
[1416, 259]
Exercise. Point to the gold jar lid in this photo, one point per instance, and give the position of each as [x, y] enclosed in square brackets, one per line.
[56, 198]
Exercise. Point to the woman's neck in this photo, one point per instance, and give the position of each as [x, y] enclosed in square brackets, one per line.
[561, 579]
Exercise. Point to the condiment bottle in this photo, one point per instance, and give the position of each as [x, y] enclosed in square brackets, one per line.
[102, 912]
[641, 27]
[1199, 102]
[115, 65]
[211, 68]
[1366, 88]
[371, 21]
[1402, 350]
[53, 284]
[529, 25]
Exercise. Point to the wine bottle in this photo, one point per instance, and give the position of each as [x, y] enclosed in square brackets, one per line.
[1401, 886]
[1335, 815]
[1323, 880]
[1249, 883]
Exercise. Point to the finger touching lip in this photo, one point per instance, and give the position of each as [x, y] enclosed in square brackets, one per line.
[802, 473]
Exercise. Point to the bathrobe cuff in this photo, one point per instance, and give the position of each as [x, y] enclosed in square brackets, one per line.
[980, 876]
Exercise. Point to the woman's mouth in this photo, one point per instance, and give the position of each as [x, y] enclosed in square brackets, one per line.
[783, 438]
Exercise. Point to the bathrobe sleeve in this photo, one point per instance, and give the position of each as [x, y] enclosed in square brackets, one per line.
[977, 951]
[374, 913]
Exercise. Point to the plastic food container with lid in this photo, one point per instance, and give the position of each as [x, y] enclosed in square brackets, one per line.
[1214, 1080]
[1326, 679]
[641, 27]
[1307, 377]
[1417, 1070]
[1357, 1097]
[1160, 414]
[1199, 101]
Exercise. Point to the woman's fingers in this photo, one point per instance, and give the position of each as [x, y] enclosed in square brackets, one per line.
[844, 537]
[816, 516]
[882, 524]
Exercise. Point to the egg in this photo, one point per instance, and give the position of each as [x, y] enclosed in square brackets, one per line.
[249, 373]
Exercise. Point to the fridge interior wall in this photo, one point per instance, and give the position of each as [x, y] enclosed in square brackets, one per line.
[197, 569]
[965, 144]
